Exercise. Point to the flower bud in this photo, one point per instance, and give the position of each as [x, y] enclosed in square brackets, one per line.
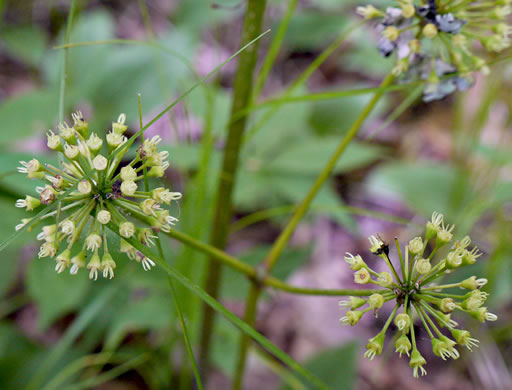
[128, 173]
[423, 266]
[54, 141]
[94, 143]
[403, 345]
[63, 261]
[375, 301]
[444, 236]
[473, 283]
[114, 140]
[84, 187]
[403, 322]
[355, 262]
[93, 242]
[385, 279]
[416, 363]
[433, 226]
[78, 262]
[80, 124]
[156, 172]
[362, 276]
[107, 265]
[463, 337]
[430, 30]
[391, 33]
[67, 227]
[453, 260]
[374, 346]
[351, 317]
[100, 163]
[482, 315]
[103, 217]
[128, 187]
[47, 249]
[29, 203]
[71, 151]
[415, 246]
[163, 195]
[67, 133]
[353, 303]
[93, 266]
[447, 305]
[47, 195]
[369, 12]
[119, 127]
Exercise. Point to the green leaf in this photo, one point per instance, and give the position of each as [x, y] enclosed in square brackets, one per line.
[425, 186]
[18, 357]
[336, 367]
[309, 157]
[55, 294]
[310, 30]
[244, 327]
[24, 115]
[27, 43]
[152, 312]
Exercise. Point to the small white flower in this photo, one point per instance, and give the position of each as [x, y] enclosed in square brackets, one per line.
[54, 142]
[127, 229]
[147, 263]
[85, 187]
[67, 227]
[128, 173]
[100, 163]
[94, 143]
[93, 242]
[71, 151]
[115, 139]
[104, 217]
[128, 187]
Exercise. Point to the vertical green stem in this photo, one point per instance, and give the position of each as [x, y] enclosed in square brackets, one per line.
[223, 208]
[284, 237]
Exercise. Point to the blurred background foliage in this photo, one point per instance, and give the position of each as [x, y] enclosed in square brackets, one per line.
[454, 156]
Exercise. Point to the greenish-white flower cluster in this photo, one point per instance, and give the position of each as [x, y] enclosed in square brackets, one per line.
[435, 39]
[92, 191]
[416, 290]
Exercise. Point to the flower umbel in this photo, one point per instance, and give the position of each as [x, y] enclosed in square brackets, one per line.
[415, 290]
[434, 39]
[94, 192]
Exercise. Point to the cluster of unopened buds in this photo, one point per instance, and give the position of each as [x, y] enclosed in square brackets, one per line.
[434, 39]
[93, 191]
[417, 290]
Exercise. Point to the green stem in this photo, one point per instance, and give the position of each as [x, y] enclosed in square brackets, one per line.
[286, 234]
[223, 207]
[217, 255]
[249, 317]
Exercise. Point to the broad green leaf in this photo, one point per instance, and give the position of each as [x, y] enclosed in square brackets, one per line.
[425, 186]
[18, 357]
[27, 43]
[312, 29]
[309, 157]
[336, 367]
[24, 115]
[55, 294]
[152, 312]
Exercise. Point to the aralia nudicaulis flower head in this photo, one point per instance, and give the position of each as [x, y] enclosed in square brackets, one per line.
[434, 40]
[93, 192]
[414, 285]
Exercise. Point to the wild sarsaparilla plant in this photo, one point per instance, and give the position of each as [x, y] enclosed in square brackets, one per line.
[102, 194]
[414, 290]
